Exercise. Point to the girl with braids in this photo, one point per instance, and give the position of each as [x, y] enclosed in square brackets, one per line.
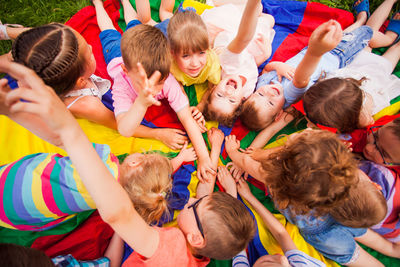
[64, 60]
[309, 179]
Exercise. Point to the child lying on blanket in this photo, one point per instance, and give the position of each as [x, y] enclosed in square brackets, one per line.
[239, 59]
[64, 60]
[312, 174]
[328, 50]
[147, 45]
[293, 256]
[347, 98]
[145, 177]
[216, 225]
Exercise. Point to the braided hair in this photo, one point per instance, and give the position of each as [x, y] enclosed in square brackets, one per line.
[52, 52]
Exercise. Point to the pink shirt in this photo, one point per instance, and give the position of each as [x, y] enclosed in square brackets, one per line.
[172, 251]
[124, 94]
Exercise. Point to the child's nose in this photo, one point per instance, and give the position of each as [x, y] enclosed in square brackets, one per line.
[195, 61]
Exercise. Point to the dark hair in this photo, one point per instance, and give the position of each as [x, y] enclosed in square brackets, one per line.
[311, 172]
[335, 102]
[12, 255]
[187, 33]
[396, 127]
[148, 45]
[52, 52]
[228, 227]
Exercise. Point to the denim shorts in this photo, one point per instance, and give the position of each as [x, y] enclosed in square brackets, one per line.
[111, 41]
[336, 242]
[352, 43]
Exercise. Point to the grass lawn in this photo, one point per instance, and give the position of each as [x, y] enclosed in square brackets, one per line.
[39, 12]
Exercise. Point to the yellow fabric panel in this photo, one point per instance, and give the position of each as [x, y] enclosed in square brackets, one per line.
[390, 110]
[197, 5]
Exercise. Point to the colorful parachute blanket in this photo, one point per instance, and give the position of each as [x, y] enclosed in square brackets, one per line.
[295, 22]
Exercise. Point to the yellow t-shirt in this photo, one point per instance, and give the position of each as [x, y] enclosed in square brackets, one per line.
[211, 71]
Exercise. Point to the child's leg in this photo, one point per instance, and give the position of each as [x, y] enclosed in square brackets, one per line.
[376, 21]
[103, 20]
[130, 13]
[365, 259]
[11, 31]
[393, 54]
[166, 9]
[143, 11]
[361, 8]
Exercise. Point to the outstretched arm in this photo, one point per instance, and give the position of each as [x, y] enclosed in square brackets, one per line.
[379, 243]
[113, 203]
[247, 26]
[324, 38]
[274, 226]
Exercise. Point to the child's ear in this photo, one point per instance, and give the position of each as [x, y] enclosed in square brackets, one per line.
[133, 162]
[311, 124]
[279, 115]
[81, 82]
[195, 240]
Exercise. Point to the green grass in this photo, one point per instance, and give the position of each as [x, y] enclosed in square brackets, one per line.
[38, 12]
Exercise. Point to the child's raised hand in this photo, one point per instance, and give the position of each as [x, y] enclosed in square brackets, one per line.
[216, 137]
[173, 138]
[237, 172]
[227, 181]
[147, 87]
[231, 144]
[243, 189]
[199, 118]
[187, 154]
[324, 38]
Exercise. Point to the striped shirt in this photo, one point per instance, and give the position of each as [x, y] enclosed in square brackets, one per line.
[40, 191]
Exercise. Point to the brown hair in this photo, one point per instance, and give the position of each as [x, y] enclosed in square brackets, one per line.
[187, 33]
[313, 171]
[226, 119]
[252, 119]
[148, 45]
[335, 102]
[52, 52]
[228, 227]
[365, 206]
[395, 127]
[148, 185]
[12, 255]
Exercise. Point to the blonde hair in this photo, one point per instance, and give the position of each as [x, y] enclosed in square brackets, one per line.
[148, 45]
[311, 172]
[187, 33]
[147, 185]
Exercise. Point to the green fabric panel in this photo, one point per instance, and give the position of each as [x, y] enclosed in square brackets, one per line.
[192, 95]
[26, 238]
[154, 5]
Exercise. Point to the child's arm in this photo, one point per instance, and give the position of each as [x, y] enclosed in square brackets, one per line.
[247, 27]
[128, 122]
[282, 70]
[266, 134]
[274, 226]
[216, 138]
[115, 251]
[379, 243]
[205, 169]
[227, 181]
[92, 109]
[323, 39]
[173, 138]
[185, 155]
[112, 201]
[242, 160]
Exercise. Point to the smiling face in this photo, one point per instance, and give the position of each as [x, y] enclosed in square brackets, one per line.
[268, 99]
[227, 95]
[191, 63]
[383, 146]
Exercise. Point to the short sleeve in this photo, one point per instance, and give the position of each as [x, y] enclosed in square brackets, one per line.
[123, 94]
[292, 93]
[174, 93]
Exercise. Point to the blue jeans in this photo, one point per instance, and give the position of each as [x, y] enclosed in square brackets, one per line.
[111, 39]
[352, 43]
